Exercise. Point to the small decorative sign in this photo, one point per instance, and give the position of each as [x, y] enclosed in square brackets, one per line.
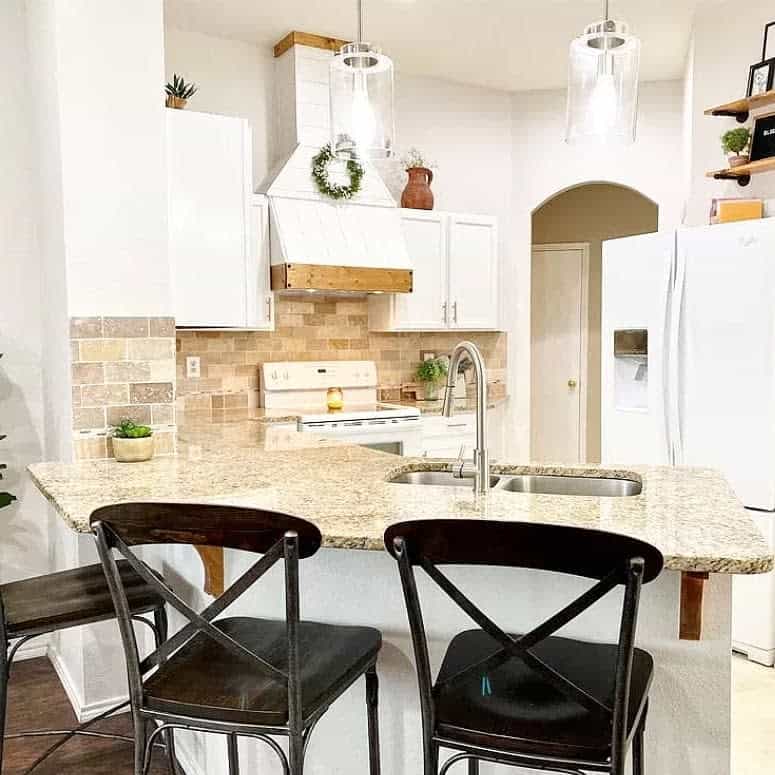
[763, 139]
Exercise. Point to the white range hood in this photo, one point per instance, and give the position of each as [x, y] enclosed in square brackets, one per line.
[318, 243]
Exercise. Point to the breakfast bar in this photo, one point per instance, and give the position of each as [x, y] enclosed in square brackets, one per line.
[352, 494]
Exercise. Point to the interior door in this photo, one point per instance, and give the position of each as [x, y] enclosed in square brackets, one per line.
[425, 308]
[473, 272]
[726, 380]
[558, 353]
[209, 181]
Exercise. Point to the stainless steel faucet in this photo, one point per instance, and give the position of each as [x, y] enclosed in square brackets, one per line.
[480, 471]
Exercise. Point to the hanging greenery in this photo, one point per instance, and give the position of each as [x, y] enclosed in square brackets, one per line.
[320, 166]
[6, 498]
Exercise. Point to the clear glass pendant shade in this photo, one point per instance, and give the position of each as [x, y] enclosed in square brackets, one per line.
[603, 85]
[361, 95]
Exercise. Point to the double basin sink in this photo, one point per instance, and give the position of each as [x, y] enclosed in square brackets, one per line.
[543, 484]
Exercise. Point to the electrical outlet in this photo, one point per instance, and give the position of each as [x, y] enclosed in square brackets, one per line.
[193, 367]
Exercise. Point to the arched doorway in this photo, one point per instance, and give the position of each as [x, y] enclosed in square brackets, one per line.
[566, 295]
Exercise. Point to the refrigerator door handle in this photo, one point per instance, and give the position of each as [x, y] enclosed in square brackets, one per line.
[666, 300]
[674, 379]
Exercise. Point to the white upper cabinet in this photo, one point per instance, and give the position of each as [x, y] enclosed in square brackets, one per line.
[218, 235]
[455, 276]
[473, 272]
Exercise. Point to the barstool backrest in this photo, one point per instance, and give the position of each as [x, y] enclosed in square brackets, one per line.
[273, 535]
[611, 559]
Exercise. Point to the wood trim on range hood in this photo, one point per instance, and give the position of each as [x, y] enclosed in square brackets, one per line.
[297, 38]
[317, 277]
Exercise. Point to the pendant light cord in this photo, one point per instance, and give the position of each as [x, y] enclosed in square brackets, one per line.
[605, 10]
[360, 21]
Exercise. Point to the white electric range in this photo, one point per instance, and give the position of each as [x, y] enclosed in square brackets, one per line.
[303, 387]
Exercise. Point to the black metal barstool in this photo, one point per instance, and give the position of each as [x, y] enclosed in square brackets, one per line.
[45, 604]
[534, 700]
[236, 676]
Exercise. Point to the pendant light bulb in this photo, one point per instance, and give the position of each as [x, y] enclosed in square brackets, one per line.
[361, 100]
[603, 84]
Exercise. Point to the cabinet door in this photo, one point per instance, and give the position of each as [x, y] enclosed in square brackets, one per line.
[209, 171]
[473, 272]
[260, 300]
[425, 308]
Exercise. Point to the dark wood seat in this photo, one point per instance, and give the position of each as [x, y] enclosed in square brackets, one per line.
[521, 712]
[238, 675]
[70, 598]
[535, 700]
[207, 680]
[57, 601]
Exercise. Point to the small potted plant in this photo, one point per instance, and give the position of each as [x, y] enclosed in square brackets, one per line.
[417, 194]
[431, 373]
[735, 143]
[179, 92]
[132, 443]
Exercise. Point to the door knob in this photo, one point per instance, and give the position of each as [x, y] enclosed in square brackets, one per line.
[572, 383]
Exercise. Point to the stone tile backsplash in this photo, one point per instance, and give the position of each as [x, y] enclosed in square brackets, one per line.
[122, 367]
[320, 328]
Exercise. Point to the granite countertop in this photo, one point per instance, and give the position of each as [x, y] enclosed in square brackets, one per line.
[690, 514]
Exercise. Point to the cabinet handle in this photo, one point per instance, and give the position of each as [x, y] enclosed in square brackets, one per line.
[268, 307]
[454, 312]
[444, 312]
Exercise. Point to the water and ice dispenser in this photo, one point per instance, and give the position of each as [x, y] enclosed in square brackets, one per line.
[631, 369]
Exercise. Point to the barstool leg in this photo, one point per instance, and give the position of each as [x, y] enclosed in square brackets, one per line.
[4, 675]
[372, 706]
[431, 758]
[473, 767]
[162, 631]
[296, 754]
[233, 754]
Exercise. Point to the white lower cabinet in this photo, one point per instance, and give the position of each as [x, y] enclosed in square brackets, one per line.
[455, 276]
[446, 436]
[218, 229]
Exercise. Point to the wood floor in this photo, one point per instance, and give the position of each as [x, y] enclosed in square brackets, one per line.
[36, 700]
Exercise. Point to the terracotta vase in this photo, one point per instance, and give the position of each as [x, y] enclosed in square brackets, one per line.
[417, 194]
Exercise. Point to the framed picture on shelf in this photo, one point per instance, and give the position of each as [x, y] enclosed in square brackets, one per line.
[763, 137]
[760, 77]
[761, 74]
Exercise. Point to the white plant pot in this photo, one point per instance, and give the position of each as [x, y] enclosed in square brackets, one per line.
[133, 450]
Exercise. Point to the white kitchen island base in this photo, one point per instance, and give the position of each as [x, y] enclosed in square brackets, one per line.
[688, 728]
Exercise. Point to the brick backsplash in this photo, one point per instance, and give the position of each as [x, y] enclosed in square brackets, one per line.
[319, 329]
[122, 367]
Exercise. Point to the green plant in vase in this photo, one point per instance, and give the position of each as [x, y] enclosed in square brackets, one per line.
[179, 92]
[735, 143]
[431, 373]
[132, 443]
[6, 498]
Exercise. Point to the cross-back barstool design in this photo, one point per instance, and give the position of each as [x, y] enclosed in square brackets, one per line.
[32, 607]
[237, 676]
[534, 700]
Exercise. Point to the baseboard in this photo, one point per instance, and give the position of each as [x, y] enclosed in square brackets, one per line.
[764, 657]
[83, 711]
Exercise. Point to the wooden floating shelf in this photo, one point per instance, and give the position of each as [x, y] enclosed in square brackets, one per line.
[741, 109]
[743, 173]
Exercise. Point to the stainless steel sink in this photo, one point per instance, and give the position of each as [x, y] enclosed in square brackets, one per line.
[438, 478]
[571, 485]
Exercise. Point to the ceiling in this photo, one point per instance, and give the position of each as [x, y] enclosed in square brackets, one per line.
[512, 45]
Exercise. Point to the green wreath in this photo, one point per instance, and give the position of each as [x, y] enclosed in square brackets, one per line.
[320, 165]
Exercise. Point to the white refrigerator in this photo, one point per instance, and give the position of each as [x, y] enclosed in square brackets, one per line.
[688, 375]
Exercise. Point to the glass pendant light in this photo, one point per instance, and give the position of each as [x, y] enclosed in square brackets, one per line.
[361, 100]
[603, 84]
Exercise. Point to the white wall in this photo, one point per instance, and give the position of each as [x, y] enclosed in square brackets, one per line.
[543, 165]
[24, 534]
[727, 41]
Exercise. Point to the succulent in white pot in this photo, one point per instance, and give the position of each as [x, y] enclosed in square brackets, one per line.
[132, 443]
